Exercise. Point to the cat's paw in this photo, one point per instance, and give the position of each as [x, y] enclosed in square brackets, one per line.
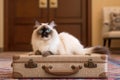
[38, 52]
[31, 53]
[47, 53]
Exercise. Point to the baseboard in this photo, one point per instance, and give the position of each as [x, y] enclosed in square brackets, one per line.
[1, 49]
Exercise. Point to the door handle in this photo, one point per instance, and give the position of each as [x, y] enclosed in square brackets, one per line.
[43, 3]
[53, 3]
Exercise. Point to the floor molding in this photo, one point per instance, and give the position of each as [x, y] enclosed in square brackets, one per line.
[1, 49]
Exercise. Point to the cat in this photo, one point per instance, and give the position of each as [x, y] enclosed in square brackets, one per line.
[47, 41]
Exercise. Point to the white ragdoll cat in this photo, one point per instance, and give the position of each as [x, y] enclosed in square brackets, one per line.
[46, 40]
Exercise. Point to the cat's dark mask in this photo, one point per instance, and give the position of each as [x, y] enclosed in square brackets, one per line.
[44, 31]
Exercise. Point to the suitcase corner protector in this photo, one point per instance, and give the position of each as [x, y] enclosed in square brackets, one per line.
[17, 75]
[16, 57]
[103, 75]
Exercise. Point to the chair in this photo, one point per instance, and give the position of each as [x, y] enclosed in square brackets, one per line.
[111, 24]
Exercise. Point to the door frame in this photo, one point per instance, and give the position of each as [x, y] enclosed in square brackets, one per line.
[89, 22]
[6, 28]
[6, 23]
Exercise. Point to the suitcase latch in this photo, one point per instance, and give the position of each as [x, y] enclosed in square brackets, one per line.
[90, 64]
[30, 64]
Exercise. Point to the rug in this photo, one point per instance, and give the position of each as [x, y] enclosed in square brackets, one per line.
[114, 69]
[6, 70]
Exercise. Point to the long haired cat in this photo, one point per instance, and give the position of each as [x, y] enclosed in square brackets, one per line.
[46, 40]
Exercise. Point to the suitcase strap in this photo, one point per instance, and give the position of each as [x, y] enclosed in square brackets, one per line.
[75, 69]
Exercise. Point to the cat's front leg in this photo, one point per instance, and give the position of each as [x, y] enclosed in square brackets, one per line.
[47, 53]
[37, 52]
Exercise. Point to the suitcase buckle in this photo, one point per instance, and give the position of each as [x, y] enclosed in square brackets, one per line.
[90, 64]
[30, 64]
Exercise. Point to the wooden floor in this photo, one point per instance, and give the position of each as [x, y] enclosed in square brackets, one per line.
[10, 54]
[115, 53]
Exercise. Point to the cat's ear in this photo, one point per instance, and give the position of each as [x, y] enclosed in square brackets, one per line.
[37, 23]
[52, 24]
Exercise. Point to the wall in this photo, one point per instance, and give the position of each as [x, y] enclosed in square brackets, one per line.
[1, 23]
[97, 6]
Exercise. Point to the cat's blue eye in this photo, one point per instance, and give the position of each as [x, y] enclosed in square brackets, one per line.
[41, 31]
[48, 30]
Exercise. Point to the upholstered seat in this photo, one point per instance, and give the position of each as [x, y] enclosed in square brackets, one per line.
[112, 34]
[111, 19]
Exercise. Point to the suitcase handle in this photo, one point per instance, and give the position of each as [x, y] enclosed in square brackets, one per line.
[75, 69]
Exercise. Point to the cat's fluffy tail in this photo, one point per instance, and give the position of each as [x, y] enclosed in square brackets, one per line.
[97, 49]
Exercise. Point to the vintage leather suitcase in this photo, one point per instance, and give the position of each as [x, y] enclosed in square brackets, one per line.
[60, 66]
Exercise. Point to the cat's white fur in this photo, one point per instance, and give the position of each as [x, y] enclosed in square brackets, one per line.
[63, 43]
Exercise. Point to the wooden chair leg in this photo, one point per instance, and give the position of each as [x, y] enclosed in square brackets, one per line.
[109, 43]
[104, 43]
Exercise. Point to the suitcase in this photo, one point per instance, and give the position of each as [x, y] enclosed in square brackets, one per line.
[60, 66]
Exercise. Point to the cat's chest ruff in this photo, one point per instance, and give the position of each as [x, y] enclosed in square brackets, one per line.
[45, 46]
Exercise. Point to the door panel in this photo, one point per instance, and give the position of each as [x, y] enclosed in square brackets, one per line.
[69, 9]
[70, 15]
[76, 30]
[27, 8]
[25, 14]
[24, 36]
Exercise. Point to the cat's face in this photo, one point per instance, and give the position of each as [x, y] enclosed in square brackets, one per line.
[44, 31]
